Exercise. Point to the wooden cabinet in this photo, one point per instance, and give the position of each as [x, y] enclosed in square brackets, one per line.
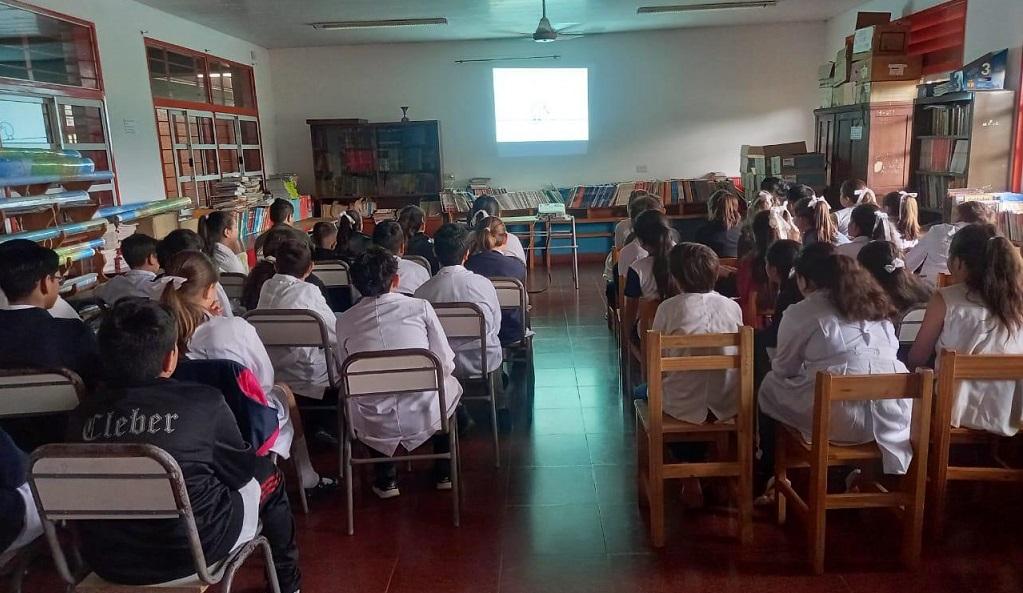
[867, 141]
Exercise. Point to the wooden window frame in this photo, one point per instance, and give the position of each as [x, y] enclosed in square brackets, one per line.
[208, 105]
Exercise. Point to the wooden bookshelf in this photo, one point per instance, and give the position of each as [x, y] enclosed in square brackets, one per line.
[960, 140]
[392, 164]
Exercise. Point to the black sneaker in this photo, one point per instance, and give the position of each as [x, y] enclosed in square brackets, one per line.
[385, 490]
[444, 483]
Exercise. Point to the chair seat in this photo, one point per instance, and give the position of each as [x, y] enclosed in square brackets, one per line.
[674, 425]
[837, 454]
[94, 584]
[970, 435]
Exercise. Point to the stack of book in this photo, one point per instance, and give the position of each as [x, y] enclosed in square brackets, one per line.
[237, 191]
[672, 191]
[454, 201]
[944, 155]
[949, 120]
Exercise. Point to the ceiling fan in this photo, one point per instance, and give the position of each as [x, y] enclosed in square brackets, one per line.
[545, 33]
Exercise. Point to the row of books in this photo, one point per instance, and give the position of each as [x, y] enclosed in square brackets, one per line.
[456, 201]
[950, 120]
[252, 221]
[944, 155]
[241, 189]
[673, 191]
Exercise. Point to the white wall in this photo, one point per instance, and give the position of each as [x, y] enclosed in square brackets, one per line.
[990, 25]
[126, 80]
[678, 102]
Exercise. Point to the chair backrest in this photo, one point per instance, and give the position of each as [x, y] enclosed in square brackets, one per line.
[944, 280]
[293, 328]
[37, 392]
[394, 372]
[110, 482]
[954, 368]
[728, 262]
[419, 260]
[333, 273]
[645, 312]
[909, 327]
[511, 294]
[466, 321]
[234, 284]
[657, 363]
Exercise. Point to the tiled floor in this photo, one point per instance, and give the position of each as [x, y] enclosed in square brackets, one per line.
[561, 515]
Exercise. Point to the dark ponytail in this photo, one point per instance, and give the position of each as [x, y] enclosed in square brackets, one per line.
[412, 219]
[885, 263]
[212, 227]
[853, 291]
[994, 270]
[654, 233]
[483, 207]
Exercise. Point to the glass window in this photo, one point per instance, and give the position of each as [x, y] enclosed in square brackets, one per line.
[25, 122]
[231, 85]
[82, 124]
[176, 75]
[45, 49]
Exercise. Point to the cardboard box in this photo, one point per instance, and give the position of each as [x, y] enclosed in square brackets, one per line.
[890, 38]
[844, 94]
[885, 67]
[798, 163]
[756, 159]
[827, 98]
[815, 179]
[867, 19]
[843, 64]
[884, 92]
[825, 74]
[789, 148]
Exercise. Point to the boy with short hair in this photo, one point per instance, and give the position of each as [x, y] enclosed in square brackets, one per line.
[324, 241]
[411, 276]
[282, 214]
[139, 252]
[230, 489]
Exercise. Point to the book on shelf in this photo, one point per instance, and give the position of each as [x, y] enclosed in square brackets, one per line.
[949, 120]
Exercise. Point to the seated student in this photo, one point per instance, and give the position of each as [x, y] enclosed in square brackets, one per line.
[982, 313]
[649, 277]
[203, 335]
[487, 206]
[29, 336]
[700, 396]
[455, 284]
[487, 260]
[902, 209]
[61, 309]
[779, 262]
[929, 257]
[631, 251]
[885, 263]
[762, 203]
[20, 524]
[813, 219]
[843, 326]
[231, 490]
[187, 240]
[867, 223]
[852, 193]
[219, 229]
[413, 220]
[777, 188]
[351, 241]
[387, 320]
[304, 369]
[623, 229]
[282, 214]
[324, 242]
[139, 252]
[751, 275]
[722, 231]
[388, 235]
[795, 193]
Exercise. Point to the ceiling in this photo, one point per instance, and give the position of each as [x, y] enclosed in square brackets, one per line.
[285, 23]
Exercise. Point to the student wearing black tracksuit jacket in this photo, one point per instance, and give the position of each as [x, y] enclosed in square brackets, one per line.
[229, 487]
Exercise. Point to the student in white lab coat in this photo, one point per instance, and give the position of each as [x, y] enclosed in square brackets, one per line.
[930, 256]
[219, 229]
[487, 206]
[390, 236]
[139, 252]
[650, 277]
[699, 396]
[188, 240]
[455, 284]
[843, 326]
[387, 320]
[904, 213]
[188, 291]
[982, 313]
[304, 369]
[852, 193]
[867, 223]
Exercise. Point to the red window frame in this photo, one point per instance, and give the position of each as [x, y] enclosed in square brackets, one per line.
[208, 105]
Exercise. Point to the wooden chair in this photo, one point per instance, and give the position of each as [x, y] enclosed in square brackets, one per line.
[953, 370]
[234, 284]
[654, 428]
[728, 262]
[944, 280]
[465, 321]
[639, 314]
[39, 392]
[394, 373]
[102, 482]
[751, 312]
[336, 274]
[909, 327]
[793, 452]
[419, 260]
[511, 294]
[612, 310]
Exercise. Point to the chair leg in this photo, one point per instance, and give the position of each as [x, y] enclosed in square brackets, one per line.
[455, 474]
[641, 463]
[271, 567]
[937, 488]
[816, 515]
[655, 488]
[745, 494]
[492, 392]
[912, 534]
[781, 475]
[346, 456]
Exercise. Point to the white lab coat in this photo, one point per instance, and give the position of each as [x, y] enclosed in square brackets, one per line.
[853, 247]
[813, 337]
[622, 231]
[60, 310]
[513, 248]
[32, 526]
[842, 218]
[931, 251]
[410, 276]
[971, 328]
[389, 322]
[303, 369]
[630, 254]
[689, 396]
[131, 284]
[229, 261]
[644, 268]
[455, 284]
[233, 338]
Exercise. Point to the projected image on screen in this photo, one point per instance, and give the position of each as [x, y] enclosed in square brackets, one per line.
[541, 104]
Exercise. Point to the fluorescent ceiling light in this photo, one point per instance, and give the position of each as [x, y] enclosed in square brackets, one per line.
[707, 6]
[332, 26]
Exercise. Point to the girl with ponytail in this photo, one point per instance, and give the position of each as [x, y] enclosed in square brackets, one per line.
[351, 241]
[721, 233]
[867, 223]
[981, 313]
[487, 260]
[886, 264]
[412, 219]
[487, 206]
[904, 212]
[929, 257]
[852, 193]
[650, 277]
[842, 326]
[219, 229]
[813, 219]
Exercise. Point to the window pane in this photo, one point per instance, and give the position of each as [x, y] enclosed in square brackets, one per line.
[176, 76]
[226, 133]
[228, 161]
[253, 160]
[250, 132]
[25, 122]
[45, 49]
[82, 125]
[99, 157]
[201, 129]
[231, 85]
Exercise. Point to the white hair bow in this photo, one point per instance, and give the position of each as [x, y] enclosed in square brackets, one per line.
[881, 215]
[860, 193]
[905, 194]
[817, 200]
[897, 264]
[480, 215]
[349, 217]
[176, 281]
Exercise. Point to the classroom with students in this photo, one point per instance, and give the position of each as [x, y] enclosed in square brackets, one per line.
[517, 296]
